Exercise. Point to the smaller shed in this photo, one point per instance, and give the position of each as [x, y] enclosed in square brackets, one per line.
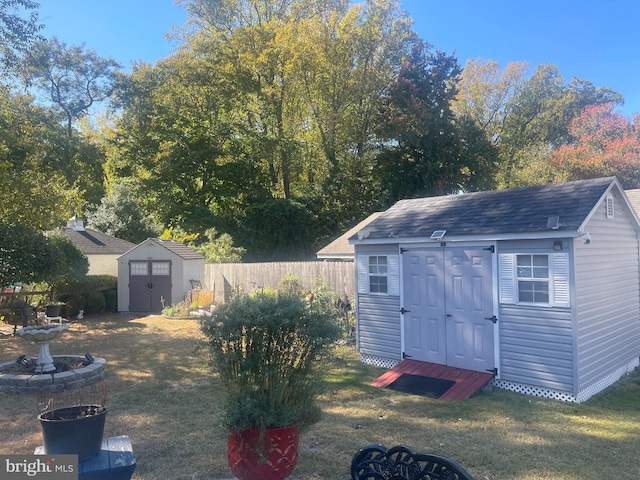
[157, 273]
[101, 250]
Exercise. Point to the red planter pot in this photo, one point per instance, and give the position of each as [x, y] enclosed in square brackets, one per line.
[274, 461]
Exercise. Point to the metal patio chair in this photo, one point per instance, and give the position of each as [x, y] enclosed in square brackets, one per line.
[24, 313]
[376, 462]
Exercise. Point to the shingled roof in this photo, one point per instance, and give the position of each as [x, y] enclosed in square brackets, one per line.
[492, 213]
[340, 247]
[634, 199]
[94, 242]
[180, 249]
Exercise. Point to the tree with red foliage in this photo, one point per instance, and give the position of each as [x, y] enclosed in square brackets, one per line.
[606, 143]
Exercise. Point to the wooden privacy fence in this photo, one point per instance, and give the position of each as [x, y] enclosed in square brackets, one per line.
[225, 278]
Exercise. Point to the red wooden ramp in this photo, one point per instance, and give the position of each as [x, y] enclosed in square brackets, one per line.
[467, 383]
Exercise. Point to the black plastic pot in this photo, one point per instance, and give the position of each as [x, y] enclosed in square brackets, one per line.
[53, 310]
[74, 430]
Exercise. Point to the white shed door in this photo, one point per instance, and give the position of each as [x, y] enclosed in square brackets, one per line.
[448, 307]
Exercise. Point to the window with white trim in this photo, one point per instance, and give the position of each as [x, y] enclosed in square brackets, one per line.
[534, 279]
[532, 272]
[378, 273]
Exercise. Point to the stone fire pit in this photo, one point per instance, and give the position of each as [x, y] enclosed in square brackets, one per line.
[52, 382]
[44, 377]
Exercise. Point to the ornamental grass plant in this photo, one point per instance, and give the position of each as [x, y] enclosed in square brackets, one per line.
[267, 349]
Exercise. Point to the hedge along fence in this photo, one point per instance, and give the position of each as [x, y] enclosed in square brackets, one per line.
[223, 279]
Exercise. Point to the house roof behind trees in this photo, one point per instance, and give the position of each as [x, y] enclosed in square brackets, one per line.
[94, 242]
[340, 249]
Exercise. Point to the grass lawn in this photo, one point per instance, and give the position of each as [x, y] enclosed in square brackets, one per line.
[164, 397]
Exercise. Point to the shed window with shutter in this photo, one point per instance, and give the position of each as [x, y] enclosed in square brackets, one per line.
[378, 274]
[534, 279]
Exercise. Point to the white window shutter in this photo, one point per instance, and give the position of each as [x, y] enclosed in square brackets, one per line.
[560, 266]
[363, 273]
[393, 280]
[507, 277]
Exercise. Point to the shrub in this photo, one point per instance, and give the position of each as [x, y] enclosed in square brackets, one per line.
[111, 301]
[74, 303]
[95, 303]
[179, 310]
[290, 284]
[267, 350]
[90, 283]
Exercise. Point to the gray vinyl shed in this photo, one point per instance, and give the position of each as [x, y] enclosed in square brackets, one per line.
[155, 273]
[539, 285]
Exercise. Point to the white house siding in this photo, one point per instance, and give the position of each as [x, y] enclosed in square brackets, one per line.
[607, 297]
[103, 264]
[536, 343]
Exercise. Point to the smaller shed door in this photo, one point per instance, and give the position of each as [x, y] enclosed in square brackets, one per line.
[149, 285]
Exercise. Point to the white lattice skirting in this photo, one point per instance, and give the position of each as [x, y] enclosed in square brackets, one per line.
[533, 390]
[580, 397]
[378, 361]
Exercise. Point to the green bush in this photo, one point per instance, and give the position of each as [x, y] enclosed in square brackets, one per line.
[95, 303]
[91, 283]
[111, 301]
[74, 303]
[267, 350]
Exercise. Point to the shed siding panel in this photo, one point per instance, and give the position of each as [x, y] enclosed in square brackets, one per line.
[607, 296]
[379, 326]
[536, 346]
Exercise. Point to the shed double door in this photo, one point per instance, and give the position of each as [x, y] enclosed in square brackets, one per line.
[149, 285]
[448, 307]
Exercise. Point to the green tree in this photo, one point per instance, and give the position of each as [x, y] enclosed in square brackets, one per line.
[268, 100]
[32, 190]
[425, 150]
[69, 265]
[524, 117]
[215, 249]
[485, 90]
[278, 228]
[72, 78]
[17, 33]
[25, 254]
[219, 248]
[120, 215]
[184, 146]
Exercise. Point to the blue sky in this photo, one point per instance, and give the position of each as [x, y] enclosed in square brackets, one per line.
[593, 40]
